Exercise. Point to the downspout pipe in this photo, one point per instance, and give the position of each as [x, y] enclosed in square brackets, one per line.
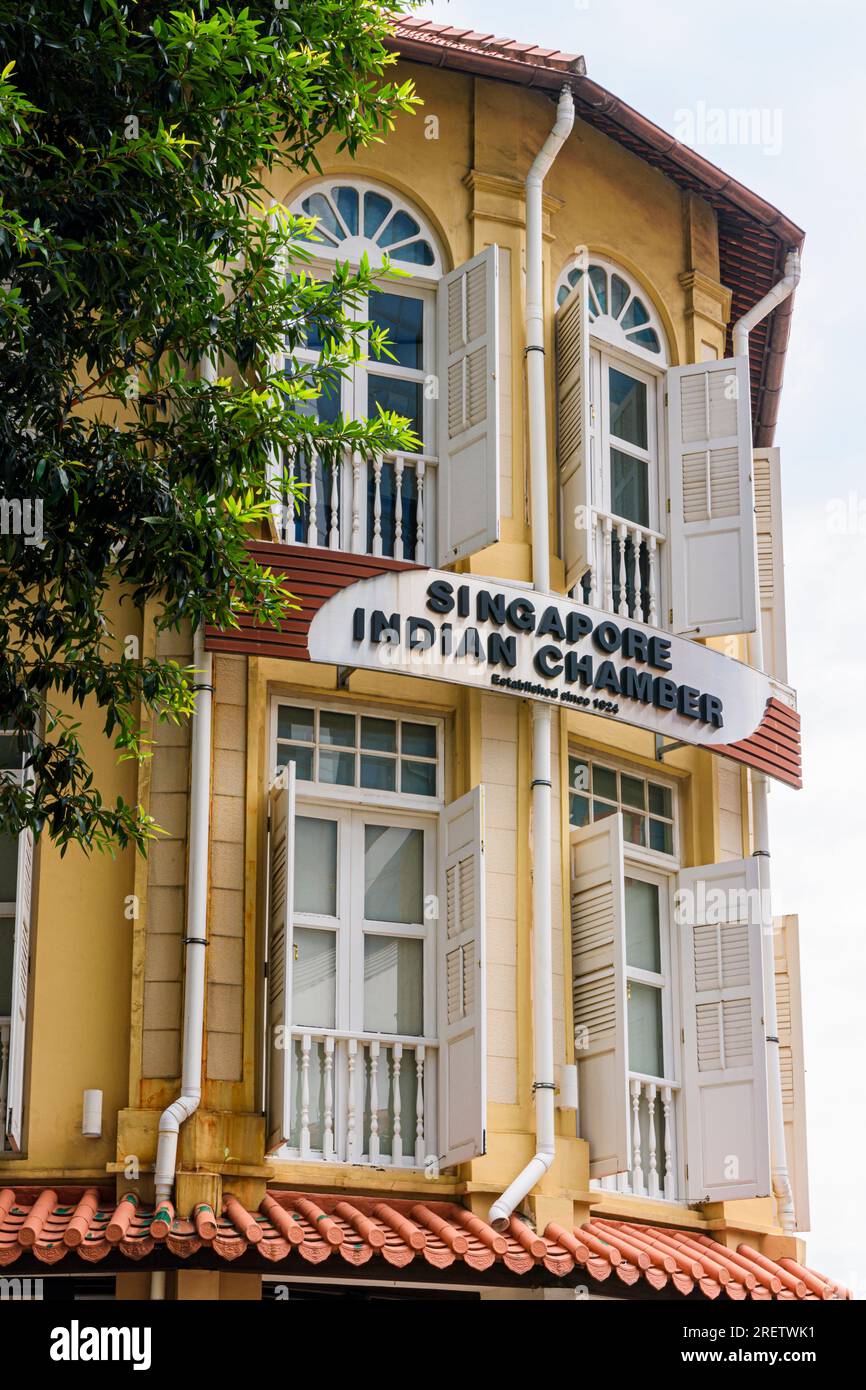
[195, 942]
[542, 927]
[761, 824]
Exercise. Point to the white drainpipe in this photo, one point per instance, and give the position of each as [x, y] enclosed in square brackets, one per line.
[187, 1102]
[542, 935]
[760, 788]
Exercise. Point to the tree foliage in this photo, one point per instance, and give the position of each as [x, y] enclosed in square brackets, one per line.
[139, 235]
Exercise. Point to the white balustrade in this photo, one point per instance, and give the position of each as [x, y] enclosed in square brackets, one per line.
[653, 1129]
[375, 506]
[623, 574]
[362, 1098]
[4, 1076]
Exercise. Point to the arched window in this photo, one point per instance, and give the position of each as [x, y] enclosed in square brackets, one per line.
[356, 216]
[620, 313]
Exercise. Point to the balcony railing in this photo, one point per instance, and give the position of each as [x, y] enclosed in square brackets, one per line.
[384, 506]
[654, 1168]
[363, 1098]
[624, 572]
[5, 1024]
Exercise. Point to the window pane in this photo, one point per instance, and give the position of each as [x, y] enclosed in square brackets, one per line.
[633, 828]
[629, 486]
[600, 809]
[642, 941]
[579, 810]
[379, 773]
[419, 740]
[661, 836]
[403, 321]
[632, 791]
[619, 293]
[336, 768]
[346, 200]
[636, 316]
[318, 206]
[391, 393]
[379, 735]
[660, 800]
[604, 782]
[628, 408]
[314, 978]
[316, 865]
[11, 755]
[416, 253]
[418, 779]
[7, 930]
[645, 1048]
[337, 728]
[598, 280]
[8, 867]
[301, 757]
[393, 985]
[393, 874]
[376, 209]
[400, 228]
[293, 722]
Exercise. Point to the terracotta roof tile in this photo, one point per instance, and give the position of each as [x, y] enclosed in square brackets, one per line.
[314, 1228]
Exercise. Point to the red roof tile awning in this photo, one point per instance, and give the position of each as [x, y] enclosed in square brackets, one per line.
[296, 1232]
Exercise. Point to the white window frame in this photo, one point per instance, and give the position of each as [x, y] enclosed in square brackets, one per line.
[668, 978]
[601, 358]
[635, 854]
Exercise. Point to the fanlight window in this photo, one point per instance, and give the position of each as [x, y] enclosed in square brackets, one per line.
[617, 312]
[357, 217]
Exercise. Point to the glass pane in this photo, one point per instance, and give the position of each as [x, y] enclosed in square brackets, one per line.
[318, 206]
[642, 940]
[661, 836]
[379, 735]
[403, 320]
[619, 293]
[629, 485]
[379, 773]
[416, 253]
[376, 209]
[579, 810]
[646, 338]
[645, 1047]
[598, 280]
[7, 931]
[419, 740]
[633, 828]
[636, 316]
[660, 800]
[338, 769]
[337, 728]
[10, 753]
[393, 985]
[604, 782]
[628, 410]
[8, 867]
[314, 978]
[400, 228]
[418, 779]
[316, 865]
[601, 809]
[346, 200]
[390, 393]
[578, 775]
[393, 874]
[632, 791]
[293, 722]
[301, 757]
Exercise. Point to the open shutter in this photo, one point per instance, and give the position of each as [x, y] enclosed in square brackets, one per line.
[20, 982]
[599, 993]
[468, 351]
[712, 538]
[281, 867]
[725, 1058]
[771, 573]
[461, 982]
[786, 950]
[573, 430]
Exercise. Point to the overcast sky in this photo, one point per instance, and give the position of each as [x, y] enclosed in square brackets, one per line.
[801, 66]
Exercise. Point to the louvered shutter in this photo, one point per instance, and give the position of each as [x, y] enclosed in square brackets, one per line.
[573, 441]
[281, 867]
[599, 993]
[786, 950]
[461, 988]
[771, 573]
[20, 991]
[468, 353]
[712, 540]
[724, 1060]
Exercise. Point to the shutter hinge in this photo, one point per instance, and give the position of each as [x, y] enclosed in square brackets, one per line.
[682, 1035]
[687, 1172]
[265, 969]
[669, 506]
[268, 825]
[670, 615]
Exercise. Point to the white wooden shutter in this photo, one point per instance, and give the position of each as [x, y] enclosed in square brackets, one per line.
[725, 1057]
[771, 571]
[461, 992]
[20, 982]
[468, 366]
[281, 868]
[599, 993]
[573, 441]
[712, 537]
[786, 950]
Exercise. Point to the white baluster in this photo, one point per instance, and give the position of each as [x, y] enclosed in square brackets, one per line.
[652, 1181]
[652, 615]
[4, 1076]
[305, 1095]
[397, 1131]
[636, 1165]
[334, 532]
[377, 506]
[351, 1130]
[357, 544]
[328, 1132]
[419, 512]
[636, 542]
[313, 501]
[419, 1106]
[622, 607]
[374, 1101]
[670, 1179]
[608, 565]
[399, 465]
